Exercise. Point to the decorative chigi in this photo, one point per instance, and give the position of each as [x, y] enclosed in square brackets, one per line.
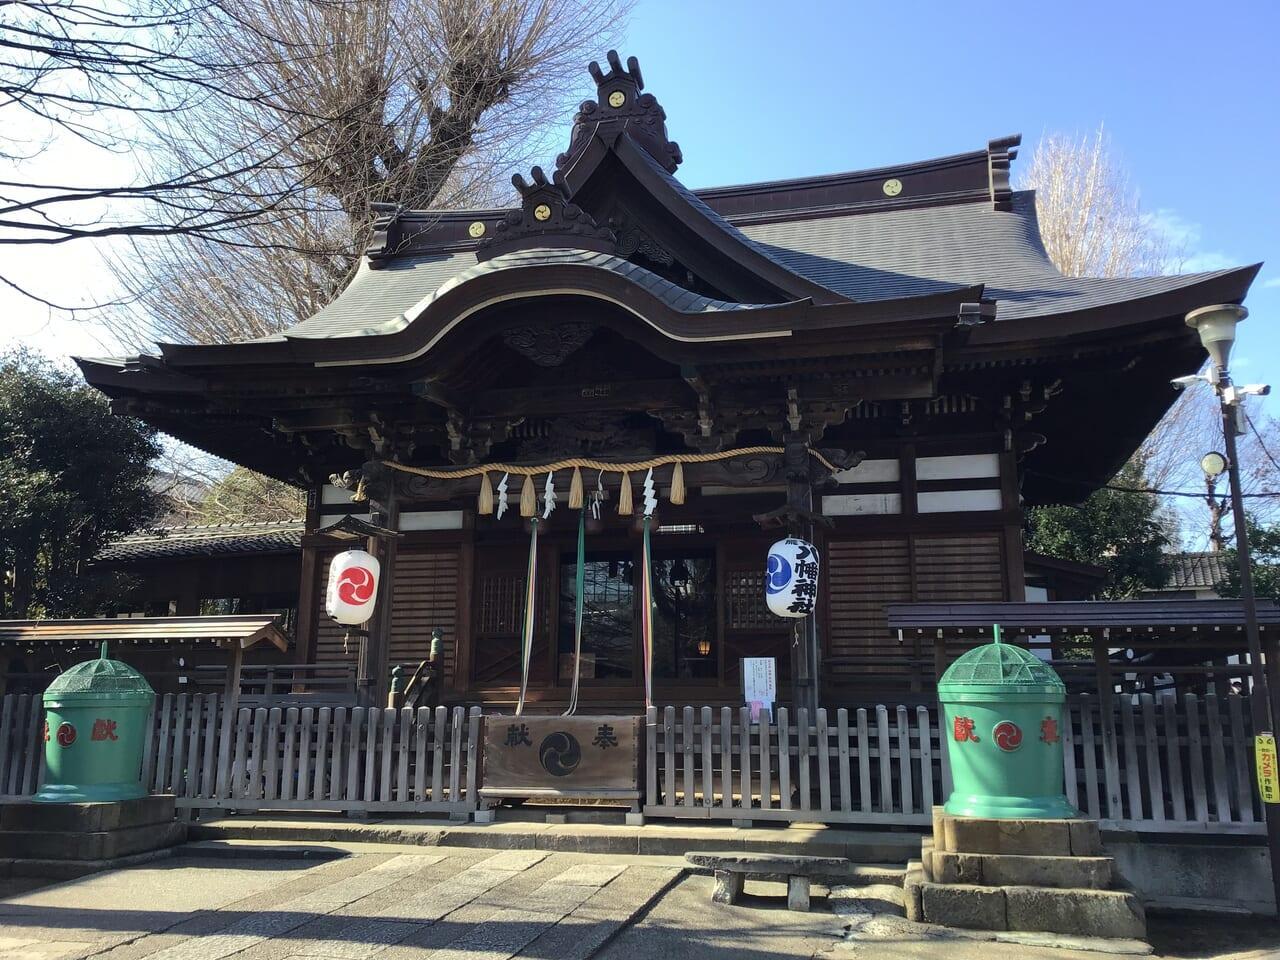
[353, 587]
[791, 578]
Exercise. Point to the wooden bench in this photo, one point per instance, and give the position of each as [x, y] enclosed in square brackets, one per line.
[733, 868]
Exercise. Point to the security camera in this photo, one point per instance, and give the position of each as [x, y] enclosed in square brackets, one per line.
[1181, 383]
[1255, 389]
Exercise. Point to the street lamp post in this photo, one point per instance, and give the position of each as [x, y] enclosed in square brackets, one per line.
[1217, 328]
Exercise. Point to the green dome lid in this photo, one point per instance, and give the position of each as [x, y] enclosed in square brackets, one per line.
[1001, 664]
[100, 676]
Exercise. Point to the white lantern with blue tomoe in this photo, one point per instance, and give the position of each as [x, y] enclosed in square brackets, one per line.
[353, 587]
[791, 578]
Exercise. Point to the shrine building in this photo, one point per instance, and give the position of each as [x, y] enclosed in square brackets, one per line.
[884, 362]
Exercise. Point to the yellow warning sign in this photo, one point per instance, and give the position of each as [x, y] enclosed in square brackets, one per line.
[1264, 748]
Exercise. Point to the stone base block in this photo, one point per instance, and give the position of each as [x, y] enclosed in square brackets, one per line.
[98, 845]
[1082, 913]
[1111, 914]
[963, 905]
[798, 894]
[87, 817]
[728, 887]
[1047, 838]
[1002, 870]
[911, 885]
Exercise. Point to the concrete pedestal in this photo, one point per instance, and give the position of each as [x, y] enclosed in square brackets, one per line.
[1041, 875]
[73, 839]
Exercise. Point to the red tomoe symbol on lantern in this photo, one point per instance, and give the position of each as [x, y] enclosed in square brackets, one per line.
[66, 734]
[1007, 735]
[355, 585]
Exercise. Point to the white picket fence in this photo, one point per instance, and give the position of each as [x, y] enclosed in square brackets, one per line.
[308, 758]
[1177, 764]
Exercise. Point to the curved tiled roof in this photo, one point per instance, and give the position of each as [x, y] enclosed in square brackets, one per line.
[902, 252]
[384, 300]
[868, 256]
[223, 539]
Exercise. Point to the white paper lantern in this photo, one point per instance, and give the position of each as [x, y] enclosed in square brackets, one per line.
[791, 578]
[353, 587]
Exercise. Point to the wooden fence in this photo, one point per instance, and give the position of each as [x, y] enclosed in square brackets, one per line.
[296, 758]
[21, 744]
[1168, 765]
[1159, 764]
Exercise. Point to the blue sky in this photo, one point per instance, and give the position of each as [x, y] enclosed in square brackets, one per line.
[1189, 92]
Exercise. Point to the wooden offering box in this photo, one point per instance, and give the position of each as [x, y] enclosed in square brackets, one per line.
[589, 757]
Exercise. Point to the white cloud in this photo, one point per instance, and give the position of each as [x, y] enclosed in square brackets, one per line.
[1186, 240]
[1272, 284]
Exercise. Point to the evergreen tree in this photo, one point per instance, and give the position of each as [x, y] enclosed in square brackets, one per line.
[1264, 547]
[1121, 530]
[72, 477]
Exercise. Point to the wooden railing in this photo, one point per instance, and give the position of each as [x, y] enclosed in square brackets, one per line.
[1179, 764]
[295, 758]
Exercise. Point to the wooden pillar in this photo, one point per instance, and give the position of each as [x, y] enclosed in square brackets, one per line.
[1106, 705]
[231, 689]
[1015, 576]
[460, 672]
[372, 678]
[940, 663]
[308, 587]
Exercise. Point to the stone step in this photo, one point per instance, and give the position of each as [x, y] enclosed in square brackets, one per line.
[260, 850]
[87, 817]
[1075, 912]
[652, 839]
[72, 869]
[1002, 870]
[98, 845]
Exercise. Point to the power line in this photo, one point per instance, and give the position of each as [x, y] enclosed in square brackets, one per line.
[1153, 490]
[1258, 434]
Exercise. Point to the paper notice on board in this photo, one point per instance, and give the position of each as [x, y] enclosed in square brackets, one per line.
[759, 685]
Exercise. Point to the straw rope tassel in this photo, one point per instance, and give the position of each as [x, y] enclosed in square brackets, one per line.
[575, 490]
[677, 483]
[485, 506]
[624, 495]
[528, 498]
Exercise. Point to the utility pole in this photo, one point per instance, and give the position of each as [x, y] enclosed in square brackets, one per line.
[1216, 326]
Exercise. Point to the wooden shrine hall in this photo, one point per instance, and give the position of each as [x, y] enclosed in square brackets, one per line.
[884, 362]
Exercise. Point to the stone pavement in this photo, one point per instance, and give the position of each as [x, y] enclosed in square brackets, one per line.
[477, 905]
[379, 902]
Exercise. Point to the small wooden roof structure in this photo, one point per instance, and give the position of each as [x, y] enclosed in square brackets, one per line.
[1121, 620]
[236, 632]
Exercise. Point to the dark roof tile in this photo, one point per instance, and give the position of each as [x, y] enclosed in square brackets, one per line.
[226, 539]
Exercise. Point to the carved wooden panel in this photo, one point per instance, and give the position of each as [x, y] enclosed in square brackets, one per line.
[562, 756]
